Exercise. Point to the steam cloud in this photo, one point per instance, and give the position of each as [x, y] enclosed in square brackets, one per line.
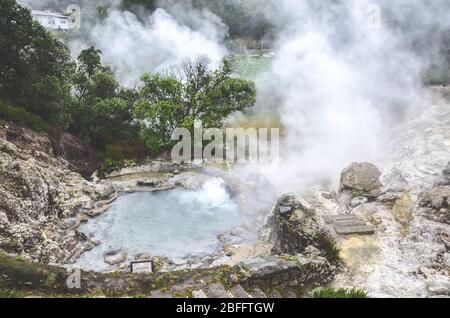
[133, 46]
[337, 82]
[158, 44]
[342, 82]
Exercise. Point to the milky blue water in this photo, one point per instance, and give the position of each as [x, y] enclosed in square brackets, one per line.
[178, 223]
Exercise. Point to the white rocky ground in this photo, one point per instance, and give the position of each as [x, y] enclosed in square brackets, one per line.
[409, 254]
[38, 191]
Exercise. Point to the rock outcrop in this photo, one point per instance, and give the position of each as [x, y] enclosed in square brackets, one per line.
[292, 226]
[78, 155]
[436, 202]
[39, 194]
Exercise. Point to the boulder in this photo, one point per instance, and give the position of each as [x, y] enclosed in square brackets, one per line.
[361, 180]
[292, 226]
[436, 203]
[115, 256]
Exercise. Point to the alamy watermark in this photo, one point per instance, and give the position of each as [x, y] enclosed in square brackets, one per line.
[373, 16]
[228, 145]
[74, 12]
[74, 279]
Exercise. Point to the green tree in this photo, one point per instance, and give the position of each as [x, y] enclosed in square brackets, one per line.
[112, 120]
[35, 68]
[103, 111]
[90, 61]
[92, 80]
[168, 101]
[102, 12]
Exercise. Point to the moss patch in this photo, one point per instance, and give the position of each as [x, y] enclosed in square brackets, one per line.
[327, 244]
[6, 149]
[357, 250]
[402, 212]
[339, 293]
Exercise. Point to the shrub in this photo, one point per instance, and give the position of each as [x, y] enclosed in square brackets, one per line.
[50, 280]
[327, 244]
[108, 165]
[114, 158]
[114, 152]
[22, 117]
[119, 154]
[339, 293]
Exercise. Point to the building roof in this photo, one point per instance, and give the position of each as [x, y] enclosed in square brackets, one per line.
[50, 14]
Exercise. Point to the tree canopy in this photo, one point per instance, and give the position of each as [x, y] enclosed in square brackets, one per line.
[102, 109]
[35, 68]
[194, 92]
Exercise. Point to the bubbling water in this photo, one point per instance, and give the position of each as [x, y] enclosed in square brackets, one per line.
[179, 224]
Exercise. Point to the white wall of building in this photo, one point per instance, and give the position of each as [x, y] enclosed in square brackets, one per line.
[51, 20]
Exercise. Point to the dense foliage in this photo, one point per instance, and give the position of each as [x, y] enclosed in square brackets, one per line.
[102, 110]
[22, 117]
[40, 85]
[35, 68]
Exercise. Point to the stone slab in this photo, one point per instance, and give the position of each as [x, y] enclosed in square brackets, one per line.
[199, 294]
[348, 230]
[217, 291]
[348, 225]
[239, 292]
[257, 293]
[160, 295]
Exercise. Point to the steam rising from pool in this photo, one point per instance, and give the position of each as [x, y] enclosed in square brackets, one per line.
[178, 224]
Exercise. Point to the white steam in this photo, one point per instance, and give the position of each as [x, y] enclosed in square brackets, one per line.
[342, 83]
[153, 42]
[160, 43]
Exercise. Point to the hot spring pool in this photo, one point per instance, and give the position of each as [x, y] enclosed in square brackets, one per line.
[178, 224]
